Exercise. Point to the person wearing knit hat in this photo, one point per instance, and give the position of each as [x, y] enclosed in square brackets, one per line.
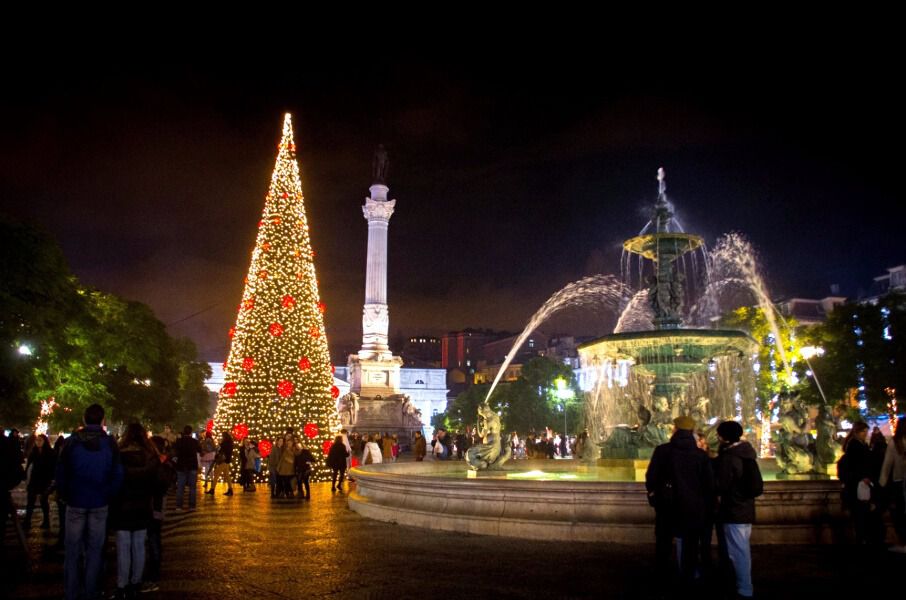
[680, 485]
[738, 481]
[684, 422]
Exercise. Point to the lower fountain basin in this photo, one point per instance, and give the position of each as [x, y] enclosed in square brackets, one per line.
[560, 500]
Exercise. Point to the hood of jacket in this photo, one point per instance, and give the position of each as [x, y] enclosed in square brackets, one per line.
[742, 449]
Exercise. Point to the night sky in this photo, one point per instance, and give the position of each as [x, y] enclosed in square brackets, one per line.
[513, 175]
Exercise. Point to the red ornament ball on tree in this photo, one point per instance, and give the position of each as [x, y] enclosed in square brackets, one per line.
[231, 332]
[209, 426]
[264, 448]
[322, 307]
[325, 447]
[311, 430]
[334, 391]
[276, 329]
[314, 331]
[247, 363]
[240, 431]
[304, 363]
[285, 388]
[288, 301]
[229, 389]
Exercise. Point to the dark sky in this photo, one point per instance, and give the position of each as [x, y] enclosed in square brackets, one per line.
[513, 174]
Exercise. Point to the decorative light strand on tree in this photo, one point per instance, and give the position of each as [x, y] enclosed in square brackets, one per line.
[278, 374]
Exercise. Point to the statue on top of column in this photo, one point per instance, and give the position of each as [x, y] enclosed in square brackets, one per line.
[380, 165]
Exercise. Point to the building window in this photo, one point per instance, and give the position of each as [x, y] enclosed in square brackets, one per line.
[531, 343]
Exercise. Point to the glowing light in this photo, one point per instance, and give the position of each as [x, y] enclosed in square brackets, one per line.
[240, 431]
[264, 448]
[276, 395]
[285, 388]
[809, 352]
[47, 408]
[24, 350]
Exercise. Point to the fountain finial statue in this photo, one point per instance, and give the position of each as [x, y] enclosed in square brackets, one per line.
[662, 183]
[489, 455]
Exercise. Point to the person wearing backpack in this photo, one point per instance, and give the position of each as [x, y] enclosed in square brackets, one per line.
[680, 486]
[738, 482]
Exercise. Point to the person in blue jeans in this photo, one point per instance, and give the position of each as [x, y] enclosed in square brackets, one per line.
[131, 508]
[186, 449]
[736, 503]
[87, 476]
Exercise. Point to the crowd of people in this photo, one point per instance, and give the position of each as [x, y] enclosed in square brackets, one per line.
[102, 485]
[546, 444]
[696, 493]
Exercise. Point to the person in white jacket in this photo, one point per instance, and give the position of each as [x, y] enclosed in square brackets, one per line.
[894, 471]
[372, 453]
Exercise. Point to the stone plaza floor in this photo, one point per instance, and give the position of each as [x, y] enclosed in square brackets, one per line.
[250, 546]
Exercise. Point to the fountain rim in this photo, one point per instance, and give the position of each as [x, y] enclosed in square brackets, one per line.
[658, 334]
[649, 244]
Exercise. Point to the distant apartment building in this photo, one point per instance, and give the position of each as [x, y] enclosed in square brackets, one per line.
[892, 281]
[493, 354]
[422, 350]
[807, 311]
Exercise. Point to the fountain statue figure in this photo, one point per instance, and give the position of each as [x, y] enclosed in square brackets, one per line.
[492, 453]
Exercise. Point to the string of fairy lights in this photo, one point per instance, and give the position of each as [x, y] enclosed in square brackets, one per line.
[278, 374]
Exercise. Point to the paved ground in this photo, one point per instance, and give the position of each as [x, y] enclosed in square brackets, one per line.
[249, 546]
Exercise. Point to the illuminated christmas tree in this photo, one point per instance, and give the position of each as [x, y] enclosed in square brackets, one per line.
[278, 374]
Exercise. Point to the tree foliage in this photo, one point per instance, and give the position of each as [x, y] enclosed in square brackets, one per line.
[527, 404]
[867, 340]
[86, 346]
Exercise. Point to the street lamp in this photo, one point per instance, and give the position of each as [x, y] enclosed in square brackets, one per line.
[564, 393]
[25, 350]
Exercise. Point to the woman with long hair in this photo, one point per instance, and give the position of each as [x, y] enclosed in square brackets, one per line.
[856, 470]
[132, 509]
[893, 471]
[42, 461]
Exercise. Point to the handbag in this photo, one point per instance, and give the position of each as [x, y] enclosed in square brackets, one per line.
[863, 492]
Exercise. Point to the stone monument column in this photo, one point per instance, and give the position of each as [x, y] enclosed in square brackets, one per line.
[374, 372]
[376, 316]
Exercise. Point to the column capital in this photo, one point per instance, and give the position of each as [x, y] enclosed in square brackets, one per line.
[377, 210]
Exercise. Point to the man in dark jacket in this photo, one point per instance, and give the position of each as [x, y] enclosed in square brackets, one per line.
[88, 475]
[736, 509]
[680, 484]
[186, 450]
